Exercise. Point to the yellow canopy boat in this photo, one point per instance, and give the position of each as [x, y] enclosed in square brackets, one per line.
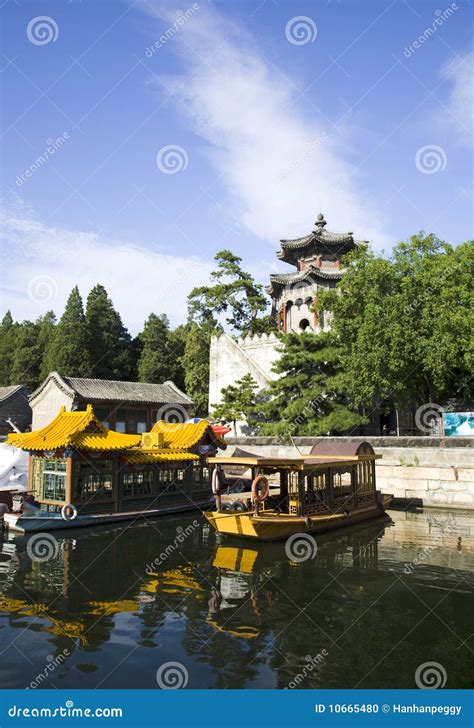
[333, 486]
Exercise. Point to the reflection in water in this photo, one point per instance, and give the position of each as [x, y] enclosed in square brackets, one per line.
[377, 601]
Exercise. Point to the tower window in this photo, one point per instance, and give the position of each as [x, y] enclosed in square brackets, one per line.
[304, 324]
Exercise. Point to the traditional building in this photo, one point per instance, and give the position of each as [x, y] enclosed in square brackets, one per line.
[15, 410]
[127, 407]
[317, 259]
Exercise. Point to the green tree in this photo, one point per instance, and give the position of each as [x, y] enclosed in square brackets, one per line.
[156, 363]
[46, 331]
[233, 296]
[307, 398]
[109, 341]
[8, 330]
[238, 401]
[195, 364]
[406, 322]
[27, 355]
[69, 349]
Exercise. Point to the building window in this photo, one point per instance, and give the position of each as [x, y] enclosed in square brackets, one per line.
[304, 324]
[120, 426]
[93, 482]
[138, 484]
[54, 480]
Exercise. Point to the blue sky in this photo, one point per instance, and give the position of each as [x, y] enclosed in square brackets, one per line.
[247, 120]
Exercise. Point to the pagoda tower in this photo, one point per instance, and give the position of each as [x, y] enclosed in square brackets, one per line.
[317, 259]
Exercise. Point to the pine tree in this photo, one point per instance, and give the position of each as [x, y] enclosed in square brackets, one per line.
[68, 352]
[195, 363]
[156, 361]
[307, 398]
[238, 401]
[8, 331]
[108, 340]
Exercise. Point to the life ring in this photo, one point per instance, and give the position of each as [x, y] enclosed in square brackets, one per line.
[216, 481]
[256, 496]
[239, 506]
[68, 512]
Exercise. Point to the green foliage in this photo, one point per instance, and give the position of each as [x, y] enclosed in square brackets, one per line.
[307, 398]
[233, 296]
[406, 322]
[238, 401]
[7, 347]
[195, 362]
[156, 359]
[69, 349]
[108, 339]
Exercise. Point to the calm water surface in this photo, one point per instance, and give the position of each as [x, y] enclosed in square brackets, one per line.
[110, 607]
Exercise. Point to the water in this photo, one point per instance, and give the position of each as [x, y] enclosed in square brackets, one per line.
[107, 610]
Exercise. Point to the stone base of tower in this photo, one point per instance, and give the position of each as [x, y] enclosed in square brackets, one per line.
[231, 359]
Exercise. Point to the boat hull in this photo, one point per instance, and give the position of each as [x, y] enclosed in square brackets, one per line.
[20, 523]
[273, 526]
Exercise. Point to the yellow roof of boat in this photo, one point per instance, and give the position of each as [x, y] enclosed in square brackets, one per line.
[299, 462]
[81, 430]
[184, 436]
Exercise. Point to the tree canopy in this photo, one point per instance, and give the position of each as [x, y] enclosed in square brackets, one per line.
[307, 398]
[405, 323]
[234, 296]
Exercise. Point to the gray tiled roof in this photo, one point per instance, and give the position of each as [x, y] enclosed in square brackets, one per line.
[115, 391]
[6, 392]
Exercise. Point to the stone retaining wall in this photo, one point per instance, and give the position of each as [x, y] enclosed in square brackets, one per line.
[426, 471]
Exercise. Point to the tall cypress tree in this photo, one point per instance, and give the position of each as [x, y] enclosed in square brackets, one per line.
[156, 359]
[109, 341]
[69, 353]
[46, 331]
[195, 363]
[27, 355]
[7, 346]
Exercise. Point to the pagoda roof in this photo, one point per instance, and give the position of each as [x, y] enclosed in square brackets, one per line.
[311, 274]
[319, 240]
[81, 430]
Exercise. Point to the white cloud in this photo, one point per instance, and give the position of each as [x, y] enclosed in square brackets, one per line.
[460, 108]
[276, 156]
[43, 263]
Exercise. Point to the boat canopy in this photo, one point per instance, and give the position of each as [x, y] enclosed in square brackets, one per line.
[81, 430]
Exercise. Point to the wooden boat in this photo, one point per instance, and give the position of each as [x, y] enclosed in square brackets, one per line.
[83, 474]
[332, 487]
